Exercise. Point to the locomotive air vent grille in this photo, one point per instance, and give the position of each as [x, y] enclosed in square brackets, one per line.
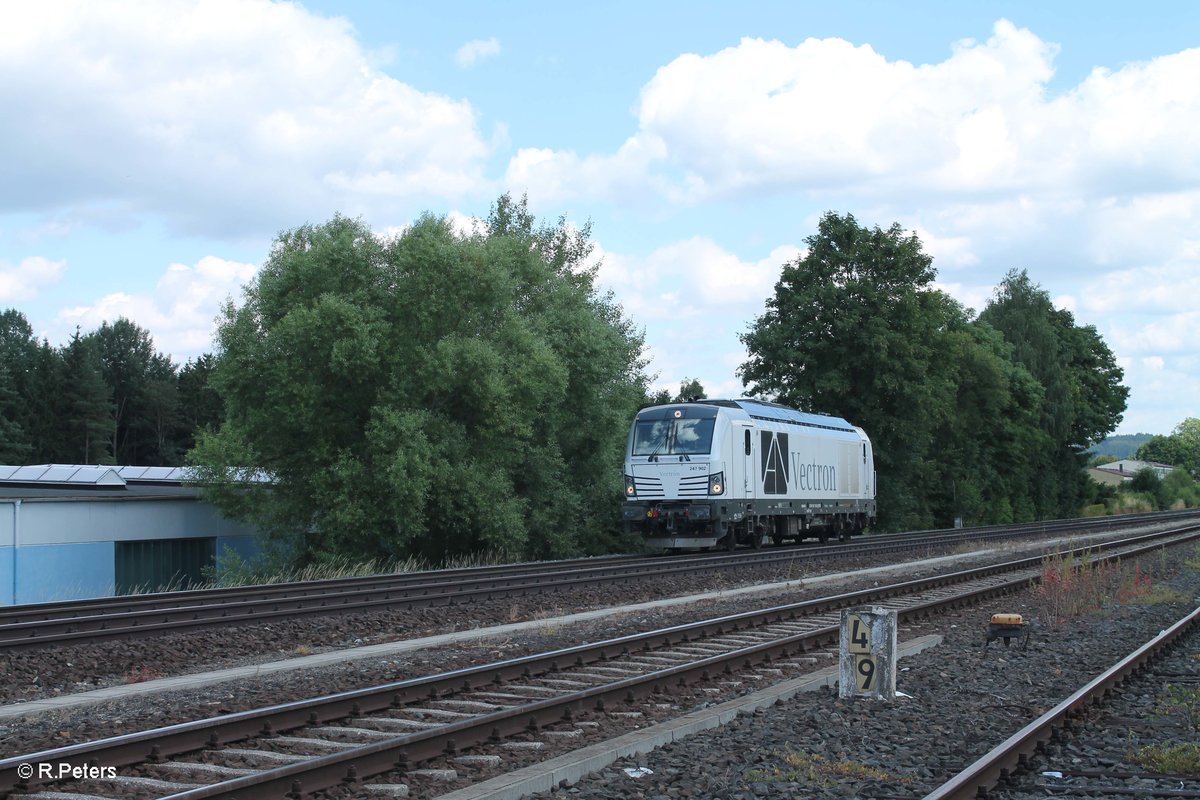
[693, 486]
[648, 487]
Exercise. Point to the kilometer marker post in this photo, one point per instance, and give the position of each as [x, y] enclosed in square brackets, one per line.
[867, 667]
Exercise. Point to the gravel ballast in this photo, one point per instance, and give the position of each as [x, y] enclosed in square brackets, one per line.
[53, 671]
[741, 763]
[962, 699]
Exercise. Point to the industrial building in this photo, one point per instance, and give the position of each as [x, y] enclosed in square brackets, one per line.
[69, 532]
[1123, 471]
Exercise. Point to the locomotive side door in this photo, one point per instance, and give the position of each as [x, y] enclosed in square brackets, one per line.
[744, 446]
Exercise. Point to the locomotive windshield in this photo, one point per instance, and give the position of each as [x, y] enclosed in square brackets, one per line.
[673, 437]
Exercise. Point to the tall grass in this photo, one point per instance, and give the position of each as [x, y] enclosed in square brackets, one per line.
[1073, 588]
[235, 570]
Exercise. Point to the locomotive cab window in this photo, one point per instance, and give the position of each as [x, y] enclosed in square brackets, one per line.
[673, 437]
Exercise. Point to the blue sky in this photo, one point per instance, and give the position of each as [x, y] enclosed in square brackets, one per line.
[153, 150]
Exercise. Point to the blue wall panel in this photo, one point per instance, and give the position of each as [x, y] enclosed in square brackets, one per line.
[6, 576]
[65, 547]
[247, 547]
[65, 572]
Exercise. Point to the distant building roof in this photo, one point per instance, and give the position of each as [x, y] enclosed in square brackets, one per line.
[64, 481]
[61, 475]
[156, 474]
[90, 480]
[1130, 466]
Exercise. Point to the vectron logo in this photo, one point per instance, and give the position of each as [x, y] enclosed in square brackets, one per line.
[774, 462]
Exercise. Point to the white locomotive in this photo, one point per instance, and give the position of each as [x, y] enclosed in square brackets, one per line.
[729, 472]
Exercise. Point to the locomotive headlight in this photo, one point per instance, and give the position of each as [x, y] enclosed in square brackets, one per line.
[716, 483]
[630, 489]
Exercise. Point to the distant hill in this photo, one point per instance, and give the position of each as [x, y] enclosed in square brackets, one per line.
[1122, 446]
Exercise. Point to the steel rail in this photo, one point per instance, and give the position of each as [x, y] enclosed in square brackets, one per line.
[191, 597]
[199, 598]
[1014, 752]
[286, 590]
[257, 604]
[163, 742]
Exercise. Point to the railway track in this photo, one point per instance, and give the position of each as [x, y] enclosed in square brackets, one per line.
[299, 748]
[47, 624]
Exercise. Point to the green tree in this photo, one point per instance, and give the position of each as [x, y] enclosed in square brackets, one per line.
[87, 405]
[433, 393]
[15, 446]
[1180, 449]
[690, 389]
[18, 357]
[1083, 398]
[1163, 450]
[1147, 482]
[144, 390]
[200, 406]
[989, 427]
[1179, 487]
[852, 330]
[51, 435]
[1097, 394]
[161, 419]
[660, 398]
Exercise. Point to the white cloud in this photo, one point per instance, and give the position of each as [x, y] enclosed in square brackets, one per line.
[1157, 289]
[1176, 333]
[1157, 225]
[992, 168]
[475, 51]
[1151, 322]
[971, 296]
[694, 276]
[1159, 389]
[224, 115]
[465, 224]
[180, 314]
[947, 251]
[23, 281]
[763, 113]
[827, 114]
[547, 175]
[694, 297]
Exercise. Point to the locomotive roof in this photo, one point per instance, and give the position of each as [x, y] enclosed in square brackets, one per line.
[774, 412]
